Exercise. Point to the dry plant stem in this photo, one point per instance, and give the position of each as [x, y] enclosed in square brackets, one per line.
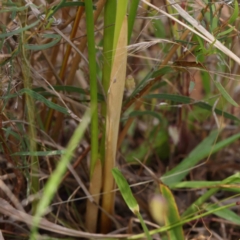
[18, 174]
[8, 210]
[11, 196]
[94, 189]
[75, 64]
[49, 76]
[30, 107]
[69, 47]
[53, 60]
[78, 161]
[82, 45]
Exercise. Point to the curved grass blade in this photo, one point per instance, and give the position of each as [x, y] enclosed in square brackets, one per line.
[132, 16]
[20, 30]
[202, 199]
[203, 150]
[38, 97]
[187, 100]
[226, 214]
[172, 216]
[150, 75]
[125, 190]
[235, 13]
[55, 178]
[129, 198]
[225, 94]
[44, 46]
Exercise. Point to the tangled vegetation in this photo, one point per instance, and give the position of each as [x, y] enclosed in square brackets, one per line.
[119, 119]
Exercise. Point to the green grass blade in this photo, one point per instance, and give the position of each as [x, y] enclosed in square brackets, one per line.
[148, 113]
[203, 150]
[225, 94]
[20, 30]
[202, 199]
[129, 198]
[180, 223]
[235, 13]
[125, 190]
[132, 16]
[39, 98]
[226, 214]
[145, 229]
[188, 100]
[172, 216]
[44, 46]
[121, 13]
[93, 84]
[55, 178]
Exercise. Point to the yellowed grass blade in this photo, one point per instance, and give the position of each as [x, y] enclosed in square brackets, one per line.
[114, 105]
[94, 189]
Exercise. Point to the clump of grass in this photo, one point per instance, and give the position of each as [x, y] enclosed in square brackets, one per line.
[68, 118]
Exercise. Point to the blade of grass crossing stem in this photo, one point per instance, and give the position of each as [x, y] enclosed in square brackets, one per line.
[197, 154]
[180, 223]
[129, 198]
[197, 204]
[132, 16]
[226, 214]
[203, 150]
[55, 178]
[114, 106]
[172, 215]
[95, 165]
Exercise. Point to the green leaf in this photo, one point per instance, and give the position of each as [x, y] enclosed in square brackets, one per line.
[44, 46]
[162, 71]
[225, 32]
[203, 150]
[56, 176]
[38, 97]
[132, 16]
[204, 197]
[40, 153]
[225, 93]
[172, 214]
[235, 13]
[226, 214]
[129, 198]
[125, 190]
[15, 9]
[69, 89]
[148, 113]
[187, 100]
[15, 32]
